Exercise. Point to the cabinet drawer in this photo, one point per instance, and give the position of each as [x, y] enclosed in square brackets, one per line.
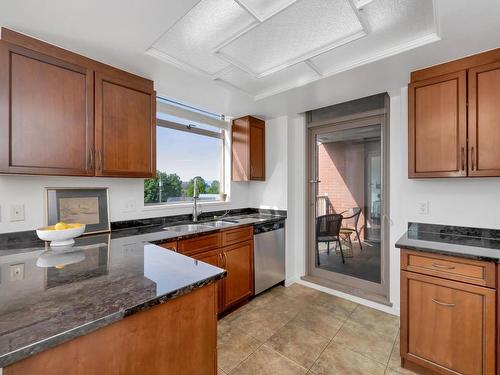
[199, 244]
[237, 235]
[449, 267]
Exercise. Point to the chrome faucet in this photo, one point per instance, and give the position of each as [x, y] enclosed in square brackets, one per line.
[196, 196]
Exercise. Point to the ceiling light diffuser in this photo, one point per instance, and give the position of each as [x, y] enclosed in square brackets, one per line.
[301, 31]
[191, 40]
[264, 9]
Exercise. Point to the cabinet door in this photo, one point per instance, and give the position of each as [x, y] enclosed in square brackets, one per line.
[46, 114]
[238, 262]
[484, 120]
[437, 127]
[125, 128]
[214, 258]
[257, 150]
[447, 326]
[240, 155]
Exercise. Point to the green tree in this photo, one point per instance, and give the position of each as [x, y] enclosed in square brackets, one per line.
[202, 186]
[171, 187]
[214, 187]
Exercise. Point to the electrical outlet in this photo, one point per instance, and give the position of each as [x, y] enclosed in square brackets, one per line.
[129, 206]
[17, 212]
[17, 272]
[423, 208]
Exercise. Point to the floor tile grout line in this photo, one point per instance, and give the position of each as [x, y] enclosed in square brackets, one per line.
[248, 356]
[262, 343]
[284, 356]
[392, 349]
[329, 342]
[348, 348]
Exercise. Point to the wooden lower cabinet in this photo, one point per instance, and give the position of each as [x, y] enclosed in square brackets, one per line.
[177, 337]
[238, 261]
[214, 257]
[447, 327]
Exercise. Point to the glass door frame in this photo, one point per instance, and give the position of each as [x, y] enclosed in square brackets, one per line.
[344, 283]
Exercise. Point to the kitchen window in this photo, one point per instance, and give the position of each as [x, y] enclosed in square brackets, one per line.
[186, 149]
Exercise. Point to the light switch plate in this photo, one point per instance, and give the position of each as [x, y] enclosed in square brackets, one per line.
[423, 208]
[17, 272]
[17, 212]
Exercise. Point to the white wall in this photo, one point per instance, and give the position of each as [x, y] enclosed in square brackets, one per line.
[30, 191]
[296, 185]
[272, 193]
[464, 202]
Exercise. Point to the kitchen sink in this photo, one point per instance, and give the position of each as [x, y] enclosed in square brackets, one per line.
[221, 223]
[187, 227]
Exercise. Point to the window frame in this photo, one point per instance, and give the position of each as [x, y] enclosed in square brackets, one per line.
[192, 128]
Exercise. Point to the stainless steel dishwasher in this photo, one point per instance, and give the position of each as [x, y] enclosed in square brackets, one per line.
[269, 255]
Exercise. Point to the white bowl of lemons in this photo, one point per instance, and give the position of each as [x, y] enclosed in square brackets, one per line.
[61, 234]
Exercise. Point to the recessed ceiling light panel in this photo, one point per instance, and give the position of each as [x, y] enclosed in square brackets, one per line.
[301, 31]
[264, 9]
[191, 40]
[293, 76]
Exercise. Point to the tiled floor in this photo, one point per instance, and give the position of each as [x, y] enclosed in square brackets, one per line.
[298, 330]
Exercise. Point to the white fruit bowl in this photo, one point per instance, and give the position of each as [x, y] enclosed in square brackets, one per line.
[63, 237]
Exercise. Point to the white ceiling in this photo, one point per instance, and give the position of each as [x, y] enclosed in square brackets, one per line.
[264, 57]
[263, 47]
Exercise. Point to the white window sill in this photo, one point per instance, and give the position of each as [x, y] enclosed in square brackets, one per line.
[174, 206]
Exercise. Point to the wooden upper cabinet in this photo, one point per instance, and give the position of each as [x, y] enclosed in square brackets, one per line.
[437, 131]
[484, 120]
[454, 130]
[248, 149]
[46, 120]
[64, 114]
[125, 128]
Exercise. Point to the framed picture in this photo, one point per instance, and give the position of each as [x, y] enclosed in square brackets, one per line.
[87, 206]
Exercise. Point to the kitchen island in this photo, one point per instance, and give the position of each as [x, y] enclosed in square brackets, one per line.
[112, 303]
[117, 309]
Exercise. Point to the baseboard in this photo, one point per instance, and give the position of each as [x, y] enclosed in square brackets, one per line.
[292, 280]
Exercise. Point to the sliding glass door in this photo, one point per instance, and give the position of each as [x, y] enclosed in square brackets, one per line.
[348, 202]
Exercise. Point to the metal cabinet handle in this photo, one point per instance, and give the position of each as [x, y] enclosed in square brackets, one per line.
[314, 181]
[90, 158]
[99, 153]
[462, 155]
[473, 158]
[443, 303]
[443, 266]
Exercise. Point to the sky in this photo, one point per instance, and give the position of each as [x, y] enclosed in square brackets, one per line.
[188, 154]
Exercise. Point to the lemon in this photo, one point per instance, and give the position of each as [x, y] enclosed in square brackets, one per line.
[61, 226]
[75, 225]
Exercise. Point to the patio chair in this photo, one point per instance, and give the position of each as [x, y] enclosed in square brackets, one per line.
[351, 214]
[328, 230]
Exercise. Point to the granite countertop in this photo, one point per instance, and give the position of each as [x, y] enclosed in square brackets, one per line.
[465, 242]
[106, 278]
